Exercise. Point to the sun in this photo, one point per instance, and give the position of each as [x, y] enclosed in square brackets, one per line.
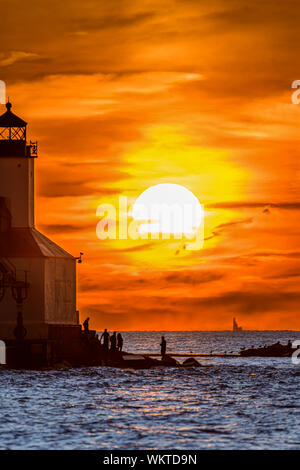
[167, 209]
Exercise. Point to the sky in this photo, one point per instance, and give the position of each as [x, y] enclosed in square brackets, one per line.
[124, 95]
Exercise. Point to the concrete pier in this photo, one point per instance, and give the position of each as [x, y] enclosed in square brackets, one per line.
[194, 355]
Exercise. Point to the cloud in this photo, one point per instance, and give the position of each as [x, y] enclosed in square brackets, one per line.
[192, 277]
[285, 275]
[64, 188]
[219, 229]
[58, 189]
[254, 309]
[65, 228]
[153, 280]
[113, 21]
[276, 254]
[254, 204]
[17, 56]
[248, 303]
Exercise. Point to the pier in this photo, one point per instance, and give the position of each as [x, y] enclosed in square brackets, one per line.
[193, 355]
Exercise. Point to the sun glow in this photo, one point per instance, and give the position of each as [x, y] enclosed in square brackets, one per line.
[168, 209]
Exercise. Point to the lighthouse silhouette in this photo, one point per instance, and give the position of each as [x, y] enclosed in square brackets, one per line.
[37, 277]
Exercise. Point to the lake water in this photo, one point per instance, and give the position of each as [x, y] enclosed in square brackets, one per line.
[229, 403]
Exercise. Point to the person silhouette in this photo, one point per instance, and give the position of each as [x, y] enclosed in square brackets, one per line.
[113, 341]
[163, 347]
[119, 342]
[105, 336]
[86, 324]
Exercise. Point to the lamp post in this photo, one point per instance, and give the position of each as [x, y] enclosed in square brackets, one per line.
[19, 291]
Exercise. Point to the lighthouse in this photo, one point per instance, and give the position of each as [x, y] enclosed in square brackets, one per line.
[37, 277]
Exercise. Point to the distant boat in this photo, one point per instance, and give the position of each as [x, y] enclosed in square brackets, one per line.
[236, 327]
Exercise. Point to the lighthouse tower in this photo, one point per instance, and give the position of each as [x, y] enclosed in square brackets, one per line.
[37, 277]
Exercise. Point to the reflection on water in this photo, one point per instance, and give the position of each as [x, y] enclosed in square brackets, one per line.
[238, 403]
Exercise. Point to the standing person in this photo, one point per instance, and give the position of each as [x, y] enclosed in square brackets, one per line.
[105, 336]
[113, 341]
[86, 324]
[119, 342]
[163, 347]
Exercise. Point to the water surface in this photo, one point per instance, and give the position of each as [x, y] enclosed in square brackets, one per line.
[229, 403]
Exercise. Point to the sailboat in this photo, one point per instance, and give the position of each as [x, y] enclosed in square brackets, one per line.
[236, 327]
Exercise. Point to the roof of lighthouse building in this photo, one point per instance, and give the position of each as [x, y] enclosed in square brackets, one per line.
[29, 242]
[9, 119]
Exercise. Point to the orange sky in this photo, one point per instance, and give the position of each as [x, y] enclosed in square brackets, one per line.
[124, 95]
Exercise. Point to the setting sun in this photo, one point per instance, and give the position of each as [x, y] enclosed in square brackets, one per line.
[168, 209]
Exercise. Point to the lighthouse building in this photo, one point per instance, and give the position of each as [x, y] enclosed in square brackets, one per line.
[37, 277]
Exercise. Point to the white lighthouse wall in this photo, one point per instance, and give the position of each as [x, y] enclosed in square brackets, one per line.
[17, 184]
[33, 306]
[60, 291]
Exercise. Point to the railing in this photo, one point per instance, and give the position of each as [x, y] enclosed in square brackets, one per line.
[32, 149]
